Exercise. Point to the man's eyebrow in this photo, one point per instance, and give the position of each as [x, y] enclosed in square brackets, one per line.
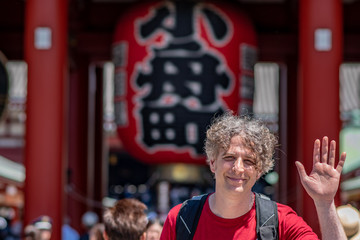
[246, 155]
[249, 155]
[228, 153]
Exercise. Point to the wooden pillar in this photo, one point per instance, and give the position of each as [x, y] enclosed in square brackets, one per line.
[320, 52]
[99, 176]
[46, 56]
[77, 142]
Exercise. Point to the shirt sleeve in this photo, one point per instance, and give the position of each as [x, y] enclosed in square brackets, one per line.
[169, 228]
[292, 226]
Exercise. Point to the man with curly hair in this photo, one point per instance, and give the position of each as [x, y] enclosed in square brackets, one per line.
[239, 151]
[126, 220]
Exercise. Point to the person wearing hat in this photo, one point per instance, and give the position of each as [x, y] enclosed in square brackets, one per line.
[44, 225]
[350, 220]
[88, 220]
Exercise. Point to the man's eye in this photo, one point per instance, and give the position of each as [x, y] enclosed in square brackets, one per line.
[229, 158]
[249, 162]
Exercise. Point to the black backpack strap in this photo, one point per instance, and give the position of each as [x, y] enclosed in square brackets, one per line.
[188, 217]
[267, 222]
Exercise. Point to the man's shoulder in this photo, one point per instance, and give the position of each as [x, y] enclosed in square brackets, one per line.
[285, 209]
[188, 207]
[175, 210]
[289, 216]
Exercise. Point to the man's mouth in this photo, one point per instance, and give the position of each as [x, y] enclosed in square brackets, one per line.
[236, 179]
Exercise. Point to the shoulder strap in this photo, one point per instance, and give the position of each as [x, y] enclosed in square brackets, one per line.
[188, 217]
[267, 223]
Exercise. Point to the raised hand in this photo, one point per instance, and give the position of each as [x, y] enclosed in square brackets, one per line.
[323, 181]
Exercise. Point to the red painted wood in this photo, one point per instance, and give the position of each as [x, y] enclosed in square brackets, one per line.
[45, 125]
[318, 85]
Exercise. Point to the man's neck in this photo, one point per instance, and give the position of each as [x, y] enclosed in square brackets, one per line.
[232, 206]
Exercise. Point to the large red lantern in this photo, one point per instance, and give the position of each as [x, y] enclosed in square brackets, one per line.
[177, 64]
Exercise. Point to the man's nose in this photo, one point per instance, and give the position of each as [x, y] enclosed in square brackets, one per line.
[239, 165]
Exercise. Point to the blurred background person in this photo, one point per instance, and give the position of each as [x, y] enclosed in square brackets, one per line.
[153, 229]
[31, 232]
[9, 229]
[126, 220]
[97, 232]
[88, 220]
[350, 219]
[68, 233]
[44, 225]
[4, 228]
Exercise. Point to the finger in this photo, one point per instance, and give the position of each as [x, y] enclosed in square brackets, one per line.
[316, 152]
[332, 153]
[301, 169]
[341, 162]
[324, 149]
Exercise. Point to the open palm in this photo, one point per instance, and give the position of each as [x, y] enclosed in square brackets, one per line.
[323, 181]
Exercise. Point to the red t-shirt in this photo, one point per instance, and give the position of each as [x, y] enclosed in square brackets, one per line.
[212, 227]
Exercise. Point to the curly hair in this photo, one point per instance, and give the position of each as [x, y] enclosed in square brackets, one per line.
[127, 220]
[255, 135]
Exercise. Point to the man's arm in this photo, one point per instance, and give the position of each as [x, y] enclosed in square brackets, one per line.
[322, 184]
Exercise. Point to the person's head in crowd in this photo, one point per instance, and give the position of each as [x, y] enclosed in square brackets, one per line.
[89, 219]
[153, 229]
[350, 220]
[97, 232]
[44, 225]
[6, 216]
[126, 220]
[4, 228]
[31, 232]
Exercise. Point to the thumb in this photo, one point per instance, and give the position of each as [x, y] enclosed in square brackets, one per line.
[301, 169]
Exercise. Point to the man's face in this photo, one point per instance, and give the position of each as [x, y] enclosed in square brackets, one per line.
[235, 169]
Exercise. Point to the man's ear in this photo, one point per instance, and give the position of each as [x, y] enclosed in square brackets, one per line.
[212, 165]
